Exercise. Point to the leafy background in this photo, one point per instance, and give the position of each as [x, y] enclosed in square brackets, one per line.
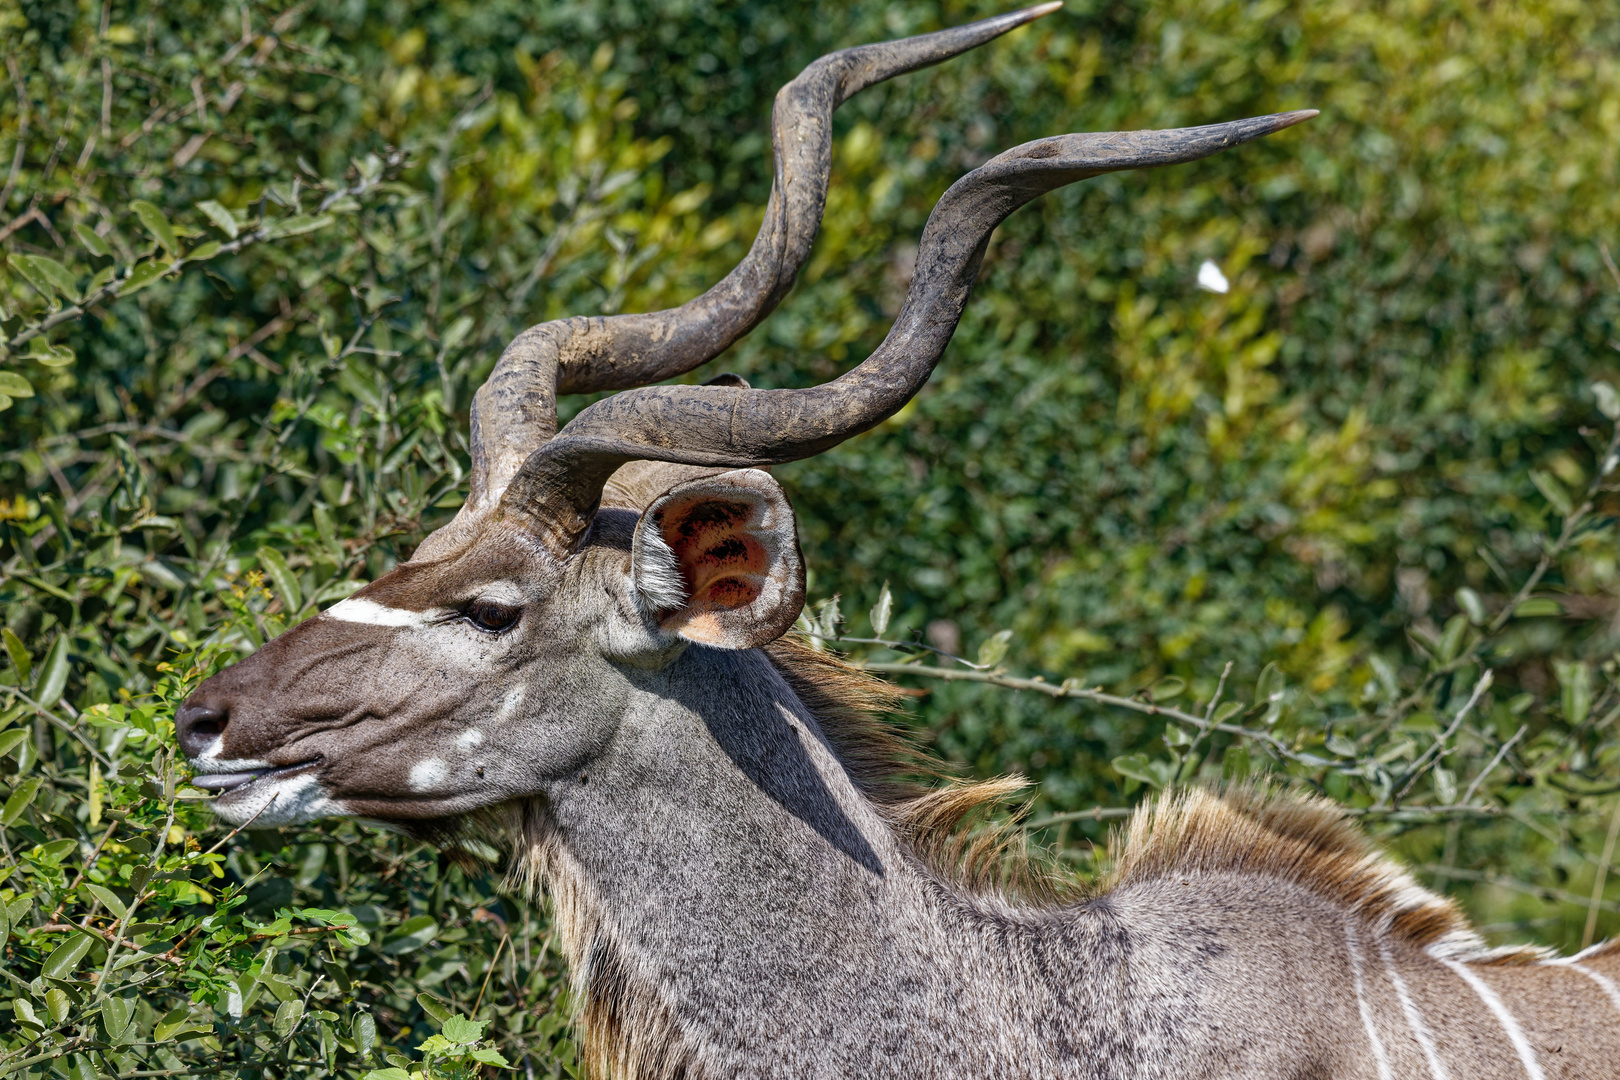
[257, 258]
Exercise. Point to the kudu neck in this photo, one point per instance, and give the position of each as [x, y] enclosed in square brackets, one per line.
[720, 883]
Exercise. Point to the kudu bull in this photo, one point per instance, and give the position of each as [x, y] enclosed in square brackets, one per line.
[587, 661]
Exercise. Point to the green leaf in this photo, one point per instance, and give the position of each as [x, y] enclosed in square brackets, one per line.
[387, 1074]
[365, 1033]
[456, 333]
[1451, 640]
[57, 848]
[15, 386]
[65, 957]
[47, 275]
[12, 739]
[21, 659]
[460, 1029]
[1341, 746]
[51, 356]
[1608, 401]
[1151, 771]
[1176, 735]
[288, 1013]
[1171, 686]
[115, 1017]
[142, 276]
[156, 224]
[57, 1004]
[1228, 710]
[298, 226]
[24, 1011]
[1445, 786]
[1551, 490]
[108, 898]
[1575, 689]
[1271, 690]
[488, 1055]
[286, 582]
[203, 252]
[177, 1022]
[18, 802]
[994, 648]
[223, 219]
[1539, 608]
[1472, 606]
[53, 673]
[431, 1005]
[881, 611]
[92, 243]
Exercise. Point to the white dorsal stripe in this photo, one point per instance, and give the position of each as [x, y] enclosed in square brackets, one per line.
[1379, 1056]
[1515, 1034]
[358, 610]
[1414, 1019]
[1602, 980]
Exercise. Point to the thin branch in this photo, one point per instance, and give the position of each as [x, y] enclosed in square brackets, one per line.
[1096, 813]
[1503, 881]
[1433, 754]
[22, 131]
[1070, 689]
[1603, 865]
[1468, 796]
[505, 937]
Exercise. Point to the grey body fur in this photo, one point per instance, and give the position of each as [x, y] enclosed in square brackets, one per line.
[721, 873]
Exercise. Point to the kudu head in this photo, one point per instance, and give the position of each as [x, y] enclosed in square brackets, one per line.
[495, 661]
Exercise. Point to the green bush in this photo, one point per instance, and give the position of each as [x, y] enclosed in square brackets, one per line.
[257, 260]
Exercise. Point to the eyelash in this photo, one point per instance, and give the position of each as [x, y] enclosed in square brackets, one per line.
[490, 617]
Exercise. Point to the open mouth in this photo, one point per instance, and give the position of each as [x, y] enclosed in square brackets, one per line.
[230, 781]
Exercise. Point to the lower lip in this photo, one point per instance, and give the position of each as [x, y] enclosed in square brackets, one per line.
[227, 782]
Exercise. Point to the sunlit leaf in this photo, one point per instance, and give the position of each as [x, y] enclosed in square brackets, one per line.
[62, 961]
[156, 223]
[92, 243]
[223, 219]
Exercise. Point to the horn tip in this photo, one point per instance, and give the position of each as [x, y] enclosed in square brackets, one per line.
[1297, 116]
[1036, 12]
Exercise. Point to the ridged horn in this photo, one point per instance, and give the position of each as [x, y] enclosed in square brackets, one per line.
[555, 493]
[516, 409]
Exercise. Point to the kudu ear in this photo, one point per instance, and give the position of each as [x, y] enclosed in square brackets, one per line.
[716, 560]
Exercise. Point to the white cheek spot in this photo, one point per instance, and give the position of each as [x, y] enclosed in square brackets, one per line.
[510, 704]
[370, 613]
[468, 740]
[428, 774]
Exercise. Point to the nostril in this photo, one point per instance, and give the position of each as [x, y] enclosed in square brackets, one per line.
[198, 725]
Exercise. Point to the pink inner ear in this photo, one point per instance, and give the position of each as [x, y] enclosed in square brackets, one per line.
[723, 563]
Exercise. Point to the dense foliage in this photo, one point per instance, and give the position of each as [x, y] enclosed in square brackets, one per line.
[257, 259]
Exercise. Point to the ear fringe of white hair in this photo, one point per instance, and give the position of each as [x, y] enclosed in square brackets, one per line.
[656, 575]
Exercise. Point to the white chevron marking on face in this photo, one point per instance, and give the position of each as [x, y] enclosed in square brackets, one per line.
[370, 613]
[1414, 1019]
[1515, 1034]
[1379, 1056]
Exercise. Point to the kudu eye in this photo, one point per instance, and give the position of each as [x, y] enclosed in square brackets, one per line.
[489, 616]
